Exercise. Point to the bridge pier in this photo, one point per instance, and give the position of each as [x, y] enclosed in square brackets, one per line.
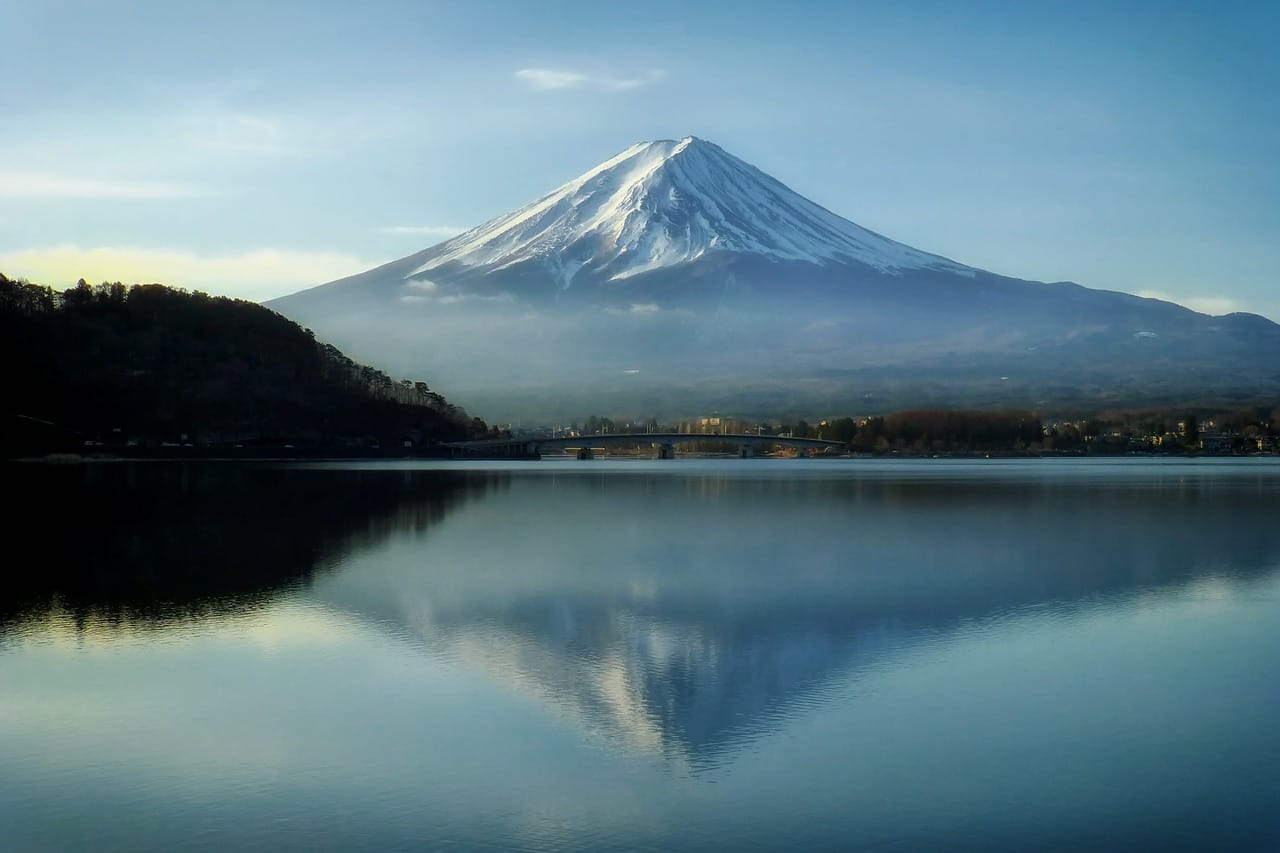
[803, 452]
[518, 451]
[666, 451]
[746, 451]
[586, 453]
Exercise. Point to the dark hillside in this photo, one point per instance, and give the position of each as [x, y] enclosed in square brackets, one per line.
[149, 365]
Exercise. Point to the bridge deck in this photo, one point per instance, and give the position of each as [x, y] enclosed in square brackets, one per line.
[643, 438]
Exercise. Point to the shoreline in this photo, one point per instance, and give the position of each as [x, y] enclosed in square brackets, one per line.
[66, 458]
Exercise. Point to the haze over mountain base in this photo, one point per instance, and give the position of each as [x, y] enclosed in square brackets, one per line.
[675, 278]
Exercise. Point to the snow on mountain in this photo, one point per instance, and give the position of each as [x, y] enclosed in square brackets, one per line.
[659, 204]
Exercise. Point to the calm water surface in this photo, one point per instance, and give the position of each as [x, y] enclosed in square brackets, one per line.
[680, 655]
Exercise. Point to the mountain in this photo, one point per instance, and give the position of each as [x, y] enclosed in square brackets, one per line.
[675, 277]
[661, 204]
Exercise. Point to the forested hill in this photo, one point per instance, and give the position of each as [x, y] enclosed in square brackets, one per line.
[149, 366]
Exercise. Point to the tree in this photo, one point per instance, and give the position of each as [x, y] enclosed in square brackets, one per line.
[840, 429]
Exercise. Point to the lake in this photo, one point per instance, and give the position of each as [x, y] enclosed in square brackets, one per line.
[675, 655]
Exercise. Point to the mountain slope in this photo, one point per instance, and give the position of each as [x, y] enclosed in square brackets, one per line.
[675, 276]
[657, 206]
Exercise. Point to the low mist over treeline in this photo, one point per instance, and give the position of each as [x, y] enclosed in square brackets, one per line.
[149, 365]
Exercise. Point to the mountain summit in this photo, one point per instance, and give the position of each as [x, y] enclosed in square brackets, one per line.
[660, 204]
[674, 278]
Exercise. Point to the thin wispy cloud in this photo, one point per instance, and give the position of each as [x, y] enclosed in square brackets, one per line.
[441, 231]
[256, 274]
[218, 130]
[636, 309]
[454, 298]
[36, 185]
[553, 79]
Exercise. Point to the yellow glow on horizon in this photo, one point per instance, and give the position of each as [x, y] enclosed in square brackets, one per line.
[258, 274]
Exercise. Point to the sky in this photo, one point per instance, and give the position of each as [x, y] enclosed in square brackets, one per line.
[258, 148]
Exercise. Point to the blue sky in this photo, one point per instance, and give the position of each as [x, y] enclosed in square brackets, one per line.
[258, 148]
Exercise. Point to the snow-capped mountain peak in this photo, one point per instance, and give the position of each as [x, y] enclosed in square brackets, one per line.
[675, 276]
[659, 204]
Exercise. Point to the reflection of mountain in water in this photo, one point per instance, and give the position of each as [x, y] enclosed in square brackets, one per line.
[673, 613]
[155, 541]
[681, 615]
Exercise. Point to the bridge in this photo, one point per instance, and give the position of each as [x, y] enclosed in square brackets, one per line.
[665, 442]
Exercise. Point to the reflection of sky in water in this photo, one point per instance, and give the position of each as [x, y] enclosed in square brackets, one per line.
[681, 614]
[698, 656]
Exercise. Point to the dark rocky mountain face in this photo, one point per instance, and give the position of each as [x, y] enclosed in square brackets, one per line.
[675, 278]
